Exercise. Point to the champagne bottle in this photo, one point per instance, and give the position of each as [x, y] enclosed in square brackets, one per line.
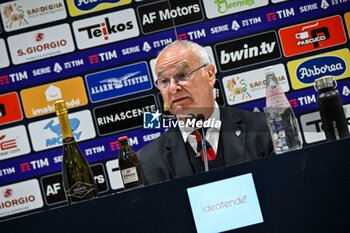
[129, 165]
[78, 180]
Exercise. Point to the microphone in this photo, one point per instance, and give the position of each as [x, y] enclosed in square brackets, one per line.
[200, 117]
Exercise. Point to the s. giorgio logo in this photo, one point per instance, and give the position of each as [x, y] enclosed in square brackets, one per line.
[310, 70]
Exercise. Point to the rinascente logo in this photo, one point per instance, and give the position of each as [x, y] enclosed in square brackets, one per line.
[217, 8]
[23, 13]
[106, 28]
[303, 72]
[163, 15]
[40, 44]
[47, 133]
[20, 197]
[311, 36]
[118, 82]
[247, 51]
[124, 115]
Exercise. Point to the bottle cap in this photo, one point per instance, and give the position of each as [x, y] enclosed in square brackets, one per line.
[122, 138]
[60, 106]
[324, 82]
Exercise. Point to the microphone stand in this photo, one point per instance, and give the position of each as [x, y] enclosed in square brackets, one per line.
[200, 117]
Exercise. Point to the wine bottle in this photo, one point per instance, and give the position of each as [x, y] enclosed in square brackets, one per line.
[129, 165]
[78, 180]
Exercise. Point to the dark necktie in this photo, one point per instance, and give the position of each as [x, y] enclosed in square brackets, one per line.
[210, 151]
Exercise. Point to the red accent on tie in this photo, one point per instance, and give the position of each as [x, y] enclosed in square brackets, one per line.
[210, 151]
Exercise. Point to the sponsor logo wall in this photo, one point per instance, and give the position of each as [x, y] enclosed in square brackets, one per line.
[99, 56]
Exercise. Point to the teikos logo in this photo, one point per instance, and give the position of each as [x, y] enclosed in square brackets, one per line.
[47, 133]
[163, 15]
[38, 101]
[40, 44]
[217, 8]
[23, 14]
[118, 82]
[303, 72]
[106, 28]
[80, 7]
[247, 51]
[124, 115]
[20, 197]
[10, 109]
[13, 142]
[251, 85]
[312, 36]
[4, 58]
[312, 125]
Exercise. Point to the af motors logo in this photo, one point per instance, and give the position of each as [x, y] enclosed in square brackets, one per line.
[47, 133]
[80, 7]
[39, 100]
[106, 28]
[123, 115]
[119, 82]
[304, 72]
[23, 14]
[13, 142]
[247, 51]
[53, 189]
[243, 87]
[20, 197]
[311, 36]
[217, 8]
[4, 58]
[164, 14]
[311, 125]
[40, 44]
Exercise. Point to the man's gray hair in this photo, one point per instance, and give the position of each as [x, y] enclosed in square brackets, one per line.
[196, 48]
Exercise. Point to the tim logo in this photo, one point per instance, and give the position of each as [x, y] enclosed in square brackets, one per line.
[311, 36]
[151, 120]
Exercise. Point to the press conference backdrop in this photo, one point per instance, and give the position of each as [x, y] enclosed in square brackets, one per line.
[98, 55]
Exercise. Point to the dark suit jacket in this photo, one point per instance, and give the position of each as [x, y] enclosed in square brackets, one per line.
[167, 157]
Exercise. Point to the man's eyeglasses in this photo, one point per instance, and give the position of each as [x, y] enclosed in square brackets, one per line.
[179, 78]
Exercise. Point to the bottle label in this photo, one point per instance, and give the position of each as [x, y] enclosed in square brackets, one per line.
[80, 190]
[129, 175]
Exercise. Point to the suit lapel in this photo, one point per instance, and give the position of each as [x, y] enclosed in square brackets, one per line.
[175, 155]
[232, 136]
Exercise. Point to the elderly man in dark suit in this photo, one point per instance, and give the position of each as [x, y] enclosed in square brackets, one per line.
[185, 78]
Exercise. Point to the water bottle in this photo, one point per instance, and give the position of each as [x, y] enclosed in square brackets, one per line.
[334, 122]
[282, 123]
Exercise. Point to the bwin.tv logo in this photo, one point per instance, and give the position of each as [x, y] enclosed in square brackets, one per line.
[152, 120]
